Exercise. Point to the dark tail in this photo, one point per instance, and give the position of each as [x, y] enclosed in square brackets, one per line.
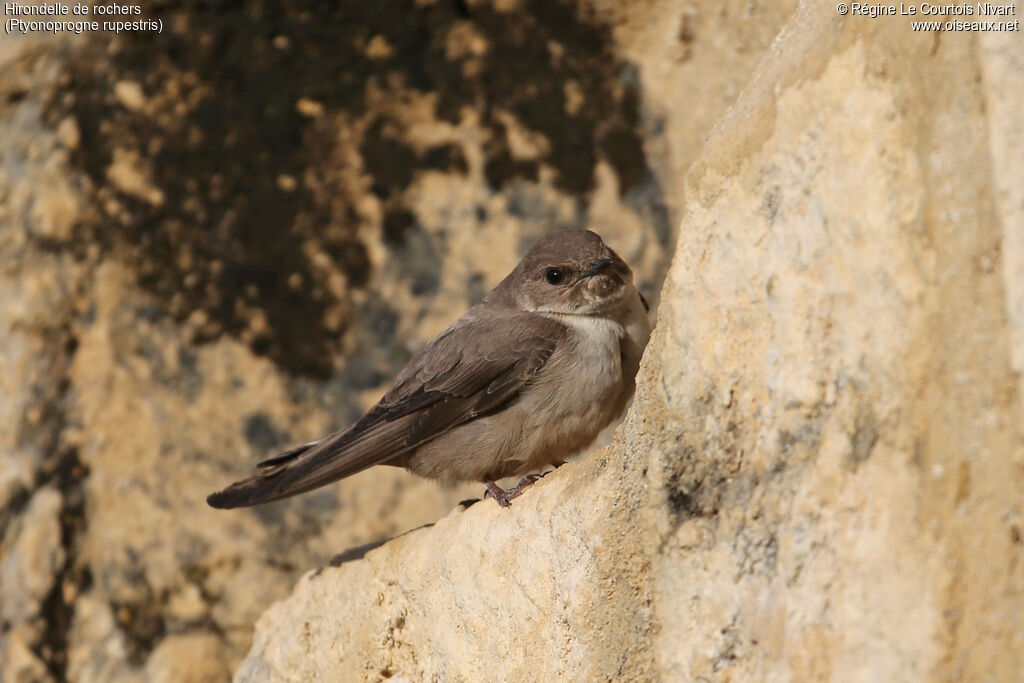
[375, 439]
[262, 487]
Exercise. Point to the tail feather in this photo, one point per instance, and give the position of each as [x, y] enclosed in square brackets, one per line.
[317, 463]
[263, 487]
[260, 487]
[287, 456]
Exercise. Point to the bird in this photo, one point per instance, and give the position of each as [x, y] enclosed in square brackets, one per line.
[526, 378]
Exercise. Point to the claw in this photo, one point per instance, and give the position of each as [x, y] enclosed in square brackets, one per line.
[499, 494]
[503, 497]
[526, 481]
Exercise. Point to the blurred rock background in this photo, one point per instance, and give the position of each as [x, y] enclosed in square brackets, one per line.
[226, 239]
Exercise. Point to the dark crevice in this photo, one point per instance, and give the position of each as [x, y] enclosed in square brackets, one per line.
[693, 489]
[692, 499]
[66, 473]
[62, 470]
[143, 626]
[15, 506]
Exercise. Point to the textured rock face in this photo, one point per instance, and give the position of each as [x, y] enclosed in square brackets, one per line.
[820, 476]
[842, 334]
[227, 239]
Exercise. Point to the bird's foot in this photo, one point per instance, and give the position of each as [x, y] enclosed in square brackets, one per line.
[503, 497]
[498, 494]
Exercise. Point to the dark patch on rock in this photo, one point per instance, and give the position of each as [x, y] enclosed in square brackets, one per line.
[796, 445]
[758, 552]
[150, 313]
[686, 505]
[397, 224]
[770, 204]
[392, 161]
[291, 522]
[15, 95]
[863, 439]
[261, 433]
[418, 262]
[381, 319]
[425, 282]
[243, 180]
[686, 33]
[729, 649]
[619, 150]
[461, 8]
[271, 515]
[362, 375]
[693, 489]
[143, 626]
[648, 201]
[779, 467]
[475, 288]
[189, 377]
[446, 158]
[501, 167]
[786, 440]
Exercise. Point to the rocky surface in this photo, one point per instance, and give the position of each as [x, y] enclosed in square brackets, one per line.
[820, 476]
[226, 239]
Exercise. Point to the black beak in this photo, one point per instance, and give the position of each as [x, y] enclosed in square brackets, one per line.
[596, 267]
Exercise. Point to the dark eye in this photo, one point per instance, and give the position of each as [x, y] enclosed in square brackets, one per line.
[555, 276]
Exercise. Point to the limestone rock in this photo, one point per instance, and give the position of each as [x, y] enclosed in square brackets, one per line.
[820, 476]
[192, 658]
[549, 589]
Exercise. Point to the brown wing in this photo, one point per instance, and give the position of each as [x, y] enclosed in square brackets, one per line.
[459, 376]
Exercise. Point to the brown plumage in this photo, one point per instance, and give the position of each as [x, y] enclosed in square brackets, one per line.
[525, 378]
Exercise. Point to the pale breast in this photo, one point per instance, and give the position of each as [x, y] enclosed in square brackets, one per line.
[583, 387]
[579, 393]
[596, 350]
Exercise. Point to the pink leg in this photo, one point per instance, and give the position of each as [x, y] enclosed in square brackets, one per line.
[498, 494]
[503, 497]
